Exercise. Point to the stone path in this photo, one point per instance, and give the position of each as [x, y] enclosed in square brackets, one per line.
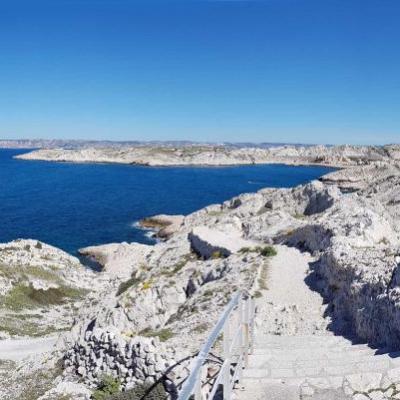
[289, 306]
[297, 357]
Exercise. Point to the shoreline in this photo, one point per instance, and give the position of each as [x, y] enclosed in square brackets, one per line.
[199, 165]
[219, 156]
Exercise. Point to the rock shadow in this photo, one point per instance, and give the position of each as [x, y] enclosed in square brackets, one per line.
[338, 325]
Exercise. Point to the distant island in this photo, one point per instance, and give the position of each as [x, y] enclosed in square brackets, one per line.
[170, 154]
[78, 144]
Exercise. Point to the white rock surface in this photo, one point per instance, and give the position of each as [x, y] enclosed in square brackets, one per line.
[216, 155]
[208, 242]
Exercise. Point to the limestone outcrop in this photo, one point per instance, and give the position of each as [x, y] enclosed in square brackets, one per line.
[39, 288]
[208, 242]
[163, 225]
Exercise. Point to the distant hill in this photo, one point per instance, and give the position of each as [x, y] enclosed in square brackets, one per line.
[75, 144]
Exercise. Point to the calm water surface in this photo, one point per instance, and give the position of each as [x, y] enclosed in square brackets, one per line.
[76, 205]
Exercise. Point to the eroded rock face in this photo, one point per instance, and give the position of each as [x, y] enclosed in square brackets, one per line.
[118, 259]
[358, 246]
[208, 242]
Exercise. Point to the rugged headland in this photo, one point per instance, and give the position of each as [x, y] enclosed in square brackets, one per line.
[154, 155]
[136, 325]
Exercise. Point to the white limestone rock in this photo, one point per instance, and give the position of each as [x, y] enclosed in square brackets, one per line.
[208, 242]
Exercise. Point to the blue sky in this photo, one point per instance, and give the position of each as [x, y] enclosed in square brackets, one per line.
[265, 71]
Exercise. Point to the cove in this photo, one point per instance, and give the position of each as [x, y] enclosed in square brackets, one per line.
[76, 205]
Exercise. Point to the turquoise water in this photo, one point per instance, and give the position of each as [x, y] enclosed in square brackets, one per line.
[75, 205]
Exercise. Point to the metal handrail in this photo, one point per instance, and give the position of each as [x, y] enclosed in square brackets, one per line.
[236, 349]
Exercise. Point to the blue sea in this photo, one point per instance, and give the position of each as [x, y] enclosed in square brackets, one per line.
[75, 205]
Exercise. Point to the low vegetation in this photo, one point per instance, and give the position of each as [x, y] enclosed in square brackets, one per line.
[27, 297]
[162, 334]
[266, 251]
[175, 269]
[215, 213]
[299, 216]
[107, 387]
[141, 392]
[263, 277]
[31, 385]
[124, 286]
[147, 285]
[26, 325]
[201, 328]
[217, 254]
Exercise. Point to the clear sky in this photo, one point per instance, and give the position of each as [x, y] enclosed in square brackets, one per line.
[322, 71]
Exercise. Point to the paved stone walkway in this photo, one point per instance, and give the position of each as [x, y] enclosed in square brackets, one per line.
[297, 357]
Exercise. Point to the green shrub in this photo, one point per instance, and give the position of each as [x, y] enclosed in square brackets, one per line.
[124, 286]
[268, 251]
[208, 293]
[142, 392]
[107, 386]
[147, 285]
[217, 254]
[175, 268]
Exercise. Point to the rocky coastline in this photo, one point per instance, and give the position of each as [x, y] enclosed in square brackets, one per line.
[142, 318]
[213, 155]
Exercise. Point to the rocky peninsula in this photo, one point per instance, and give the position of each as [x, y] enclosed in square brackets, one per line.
[136, 325]
[213, 155]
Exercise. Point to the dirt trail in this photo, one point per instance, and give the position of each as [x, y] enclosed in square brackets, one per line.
[17, 349]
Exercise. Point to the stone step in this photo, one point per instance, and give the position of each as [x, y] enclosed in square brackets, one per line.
[322, 336]
[260, 361]
[304, 369]
[312, 353]
[333, 387]
[276, 349]
[282, 364]
[303, 341]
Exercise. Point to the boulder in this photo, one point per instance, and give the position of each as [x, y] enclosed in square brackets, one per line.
[164, 225]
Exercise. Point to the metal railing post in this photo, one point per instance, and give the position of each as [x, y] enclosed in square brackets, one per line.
[237, 325]
[252, 317]
[246, 332]
[241, 338]
[197, 391]
[226, 379]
